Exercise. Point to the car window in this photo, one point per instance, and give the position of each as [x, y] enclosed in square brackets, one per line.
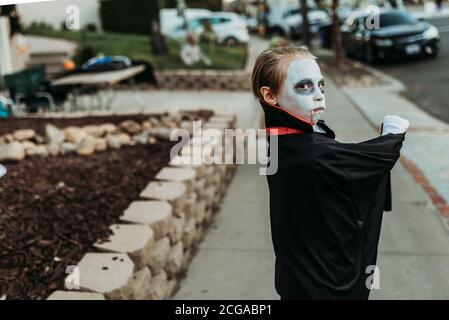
[395, 18]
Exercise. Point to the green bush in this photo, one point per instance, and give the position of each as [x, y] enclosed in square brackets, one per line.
[124, 16]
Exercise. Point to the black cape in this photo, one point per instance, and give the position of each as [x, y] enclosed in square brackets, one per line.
[326, 205]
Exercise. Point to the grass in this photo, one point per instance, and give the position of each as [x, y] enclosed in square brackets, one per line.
[137, 47]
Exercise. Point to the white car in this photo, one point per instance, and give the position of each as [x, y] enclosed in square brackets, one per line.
[291, 22]
[230, 27]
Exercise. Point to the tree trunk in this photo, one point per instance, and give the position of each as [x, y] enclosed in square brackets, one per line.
[305, 23]
[336, 36]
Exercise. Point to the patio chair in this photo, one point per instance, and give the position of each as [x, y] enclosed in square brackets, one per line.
[27, 84]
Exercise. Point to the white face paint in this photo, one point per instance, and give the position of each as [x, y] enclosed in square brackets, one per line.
[302, 92]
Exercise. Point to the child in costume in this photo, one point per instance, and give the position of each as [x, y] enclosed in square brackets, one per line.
[326, 198]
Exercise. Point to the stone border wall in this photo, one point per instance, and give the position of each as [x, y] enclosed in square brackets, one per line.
[88, 139]
[239, 80]
[151, 248]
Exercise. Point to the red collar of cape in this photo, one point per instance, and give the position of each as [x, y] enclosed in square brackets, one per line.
[279, 121]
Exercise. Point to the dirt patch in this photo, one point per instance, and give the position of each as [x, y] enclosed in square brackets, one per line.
[53, 209]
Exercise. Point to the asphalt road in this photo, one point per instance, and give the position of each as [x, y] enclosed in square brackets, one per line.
[427, 80]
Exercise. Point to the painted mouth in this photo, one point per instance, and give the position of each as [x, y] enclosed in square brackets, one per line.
[318, 110]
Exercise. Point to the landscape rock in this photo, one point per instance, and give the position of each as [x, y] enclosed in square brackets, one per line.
[53, 134]
[87, 146]
[131, 127]
[13, 151]
[24, 134]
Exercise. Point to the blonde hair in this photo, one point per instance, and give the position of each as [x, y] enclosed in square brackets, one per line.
[270, 68]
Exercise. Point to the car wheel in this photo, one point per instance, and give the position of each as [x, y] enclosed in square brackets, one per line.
[231, 41]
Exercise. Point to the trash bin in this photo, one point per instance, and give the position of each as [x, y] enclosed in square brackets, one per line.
[326, 35]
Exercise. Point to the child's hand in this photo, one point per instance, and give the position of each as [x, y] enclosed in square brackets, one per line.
[394, 124]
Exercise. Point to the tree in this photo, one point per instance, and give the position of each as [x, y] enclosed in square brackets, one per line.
[336, 35]
[305, 23]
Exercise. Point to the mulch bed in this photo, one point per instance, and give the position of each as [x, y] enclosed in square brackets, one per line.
[52, 211]
[38, 124]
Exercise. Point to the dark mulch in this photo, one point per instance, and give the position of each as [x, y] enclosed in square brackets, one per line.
[38, 124]
[53, 209]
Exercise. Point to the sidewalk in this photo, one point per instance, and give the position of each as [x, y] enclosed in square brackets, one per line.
[236, 260]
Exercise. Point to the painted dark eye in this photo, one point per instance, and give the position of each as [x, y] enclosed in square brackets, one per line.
[304, 86]
[321, 85]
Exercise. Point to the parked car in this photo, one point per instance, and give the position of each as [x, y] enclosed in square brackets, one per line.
[291, 22]
[170, 19]
[230, 27]
[397, 35]
[285, 18]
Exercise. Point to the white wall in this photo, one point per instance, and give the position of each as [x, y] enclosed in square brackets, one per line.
[53, 12]
[5, 53]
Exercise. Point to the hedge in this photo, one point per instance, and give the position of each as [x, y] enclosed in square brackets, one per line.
[134, 16]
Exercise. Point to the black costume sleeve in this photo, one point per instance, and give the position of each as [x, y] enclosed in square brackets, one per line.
[367, 165]
[369, 159]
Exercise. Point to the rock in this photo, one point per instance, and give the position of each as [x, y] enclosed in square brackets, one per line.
[174, 260]
[24, 134]
[74, 295]
[13, 151]
[173, 192]
[177, 228]
[141, 284]
[40, 151]
[109, 128]
[74, 134]
[27, 145]
[147, 126]
[9, 138]
[156, 214]
[171, 287]
[189, 234]
[109, 274]
[184, 175]
[125, 139]
[187, 125]
[159, 255]
[87, 146]
[39, 139]
[53, 134]
[154, 121]
[159, 286]
[152, 140]
[53, 149]
[114, 141]
[131, 127]
[94, 131]
[162, 132]
[141, 138]
[68, 147]
[135, 240]
[101, 144]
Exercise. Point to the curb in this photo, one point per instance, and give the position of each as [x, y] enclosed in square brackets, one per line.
[150, 250]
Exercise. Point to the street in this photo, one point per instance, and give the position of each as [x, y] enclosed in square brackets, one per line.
[426, 79]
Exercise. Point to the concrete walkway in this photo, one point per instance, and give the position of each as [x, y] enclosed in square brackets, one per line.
[236, 260]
